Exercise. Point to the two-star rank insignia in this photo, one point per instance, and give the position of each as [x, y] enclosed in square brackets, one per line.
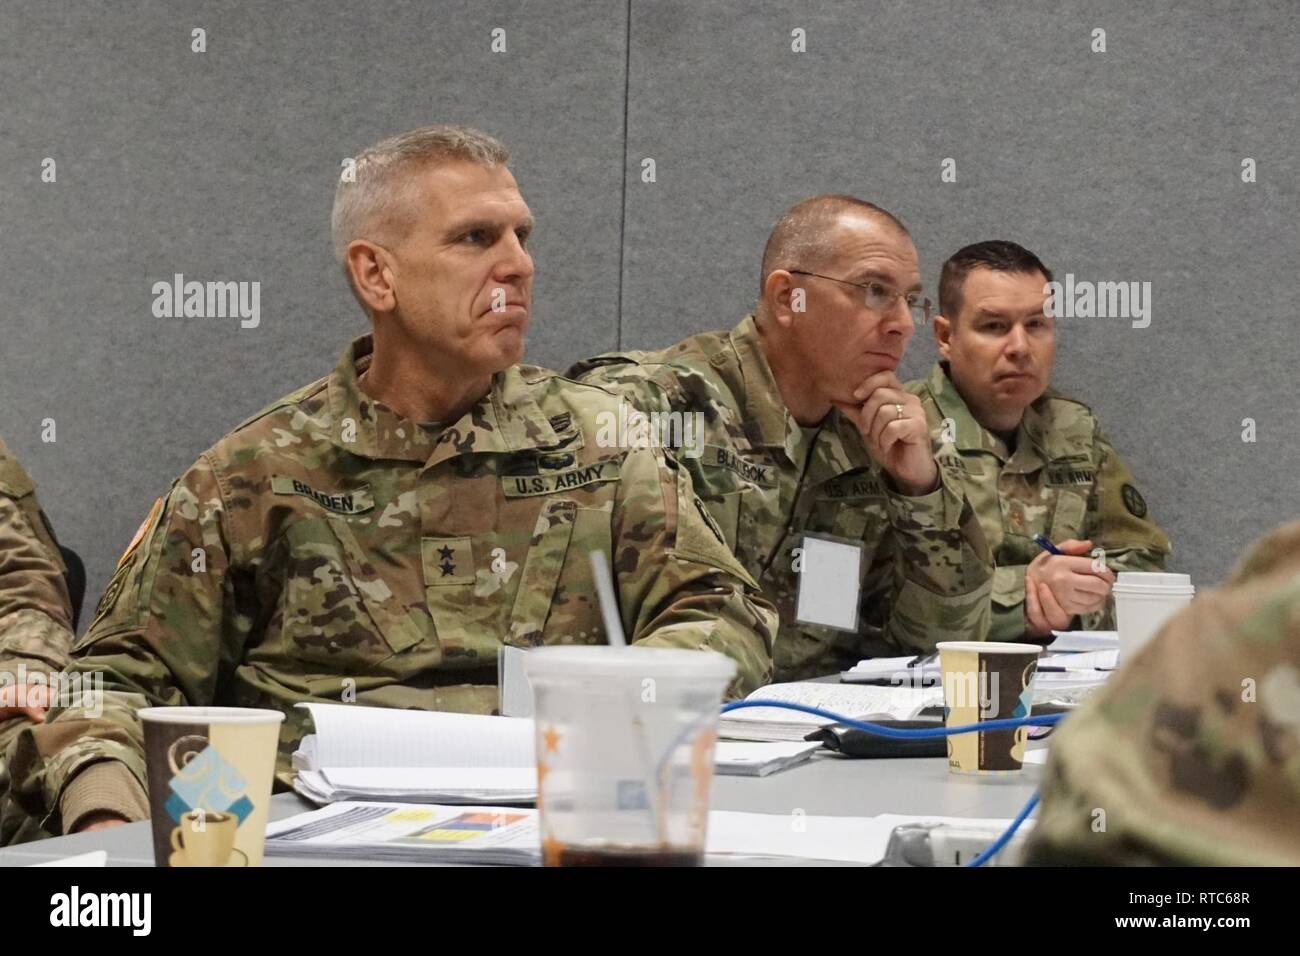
[447, 561]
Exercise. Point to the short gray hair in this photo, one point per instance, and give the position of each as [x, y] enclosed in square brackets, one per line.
[801, 238]
[377, 201]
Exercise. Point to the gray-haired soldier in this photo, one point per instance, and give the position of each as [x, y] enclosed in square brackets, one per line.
[380, 534]
[808, 432]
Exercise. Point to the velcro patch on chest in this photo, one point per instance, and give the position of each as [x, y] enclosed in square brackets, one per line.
[1080, 474]
[959, 463]
[447, 561]
[353, 501]
[554, 482]
[720, 456]
[850, 487]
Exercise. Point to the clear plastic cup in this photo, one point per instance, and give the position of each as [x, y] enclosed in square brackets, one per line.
[625, 739]
[1144, 600]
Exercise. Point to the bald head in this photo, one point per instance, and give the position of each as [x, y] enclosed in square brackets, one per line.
[805, 236]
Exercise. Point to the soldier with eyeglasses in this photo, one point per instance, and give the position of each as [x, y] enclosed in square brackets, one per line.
[810, 434]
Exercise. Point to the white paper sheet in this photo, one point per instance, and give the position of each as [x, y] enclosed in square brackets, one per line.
[829, 583]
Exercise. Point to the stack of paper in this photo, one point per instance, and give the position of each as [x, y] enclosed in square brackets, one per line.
[1075, 641]
[1072, 666]
[373, 753]
[1106, 660]
[397, 831]
[411, 756]
[503, 835]
[859, 701]
[920, 671]
[1075, 665]
[744, 758]
[420, 784]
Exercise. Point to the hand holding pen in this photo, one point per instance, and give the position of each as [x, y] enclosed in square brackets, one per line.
[1061, 583]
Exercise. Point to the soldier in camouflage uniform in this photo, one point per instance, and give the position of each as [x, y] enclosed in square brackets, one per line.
[783, 398]
[35, 610]
[1033, 461]
[1190, 755]
[335, 548]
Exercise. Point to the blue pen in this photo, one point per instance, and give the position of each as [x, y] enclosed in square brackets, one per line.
[1046, 545]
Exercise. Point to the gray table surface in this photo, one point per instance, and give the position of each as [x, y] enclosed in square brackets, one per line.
[828, 785]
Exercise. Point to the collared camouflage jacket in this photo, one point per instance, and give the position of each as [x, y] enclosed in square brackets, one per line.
[329, 550]
[1062, 480]
[767, 481]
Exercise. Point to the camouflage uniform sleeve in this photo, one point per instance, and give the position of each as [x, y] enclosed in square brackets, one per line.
[1118, 521]
[166, 623]
[35, 610]
[679, 585]
[1190, 755]
[943, 569]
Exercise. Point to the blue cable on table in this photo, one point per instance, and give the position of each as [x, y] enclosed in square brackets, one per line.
[899, 733]
[903, 733]
[996, 846]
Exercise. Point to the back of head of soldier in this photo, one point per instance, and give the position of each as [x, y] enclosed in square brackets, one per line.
[1190, 754]
[994, 332]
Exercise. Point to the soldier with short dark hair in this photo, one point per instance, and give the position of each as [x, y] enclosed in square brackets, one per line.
[1033, 461]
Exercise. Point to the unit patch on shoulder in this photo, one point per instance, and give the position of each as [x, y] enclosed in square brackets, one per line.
[1133, 501]
[140, 532]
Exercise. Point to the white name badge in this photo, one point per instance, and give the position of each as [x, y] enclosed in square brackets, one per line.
[516, 690]
[829, 582]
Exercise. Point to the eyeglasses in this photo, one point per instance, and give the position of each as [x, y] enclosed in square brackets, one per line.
[880, 298]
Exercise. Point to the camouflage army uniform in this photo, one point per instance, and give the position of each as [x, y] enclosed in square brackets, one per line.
[329, 550]
[1063, 480]
[1190, 755]
[35, 610]
[767, 481]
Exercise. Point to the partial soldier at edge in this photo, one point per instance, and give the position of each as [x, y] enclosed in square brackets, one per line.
[1190, 755]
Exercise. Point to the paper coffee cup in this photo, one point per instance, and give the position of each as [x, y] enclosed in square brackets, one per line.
[1144, 600]
[210, 771]
[985, 681]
